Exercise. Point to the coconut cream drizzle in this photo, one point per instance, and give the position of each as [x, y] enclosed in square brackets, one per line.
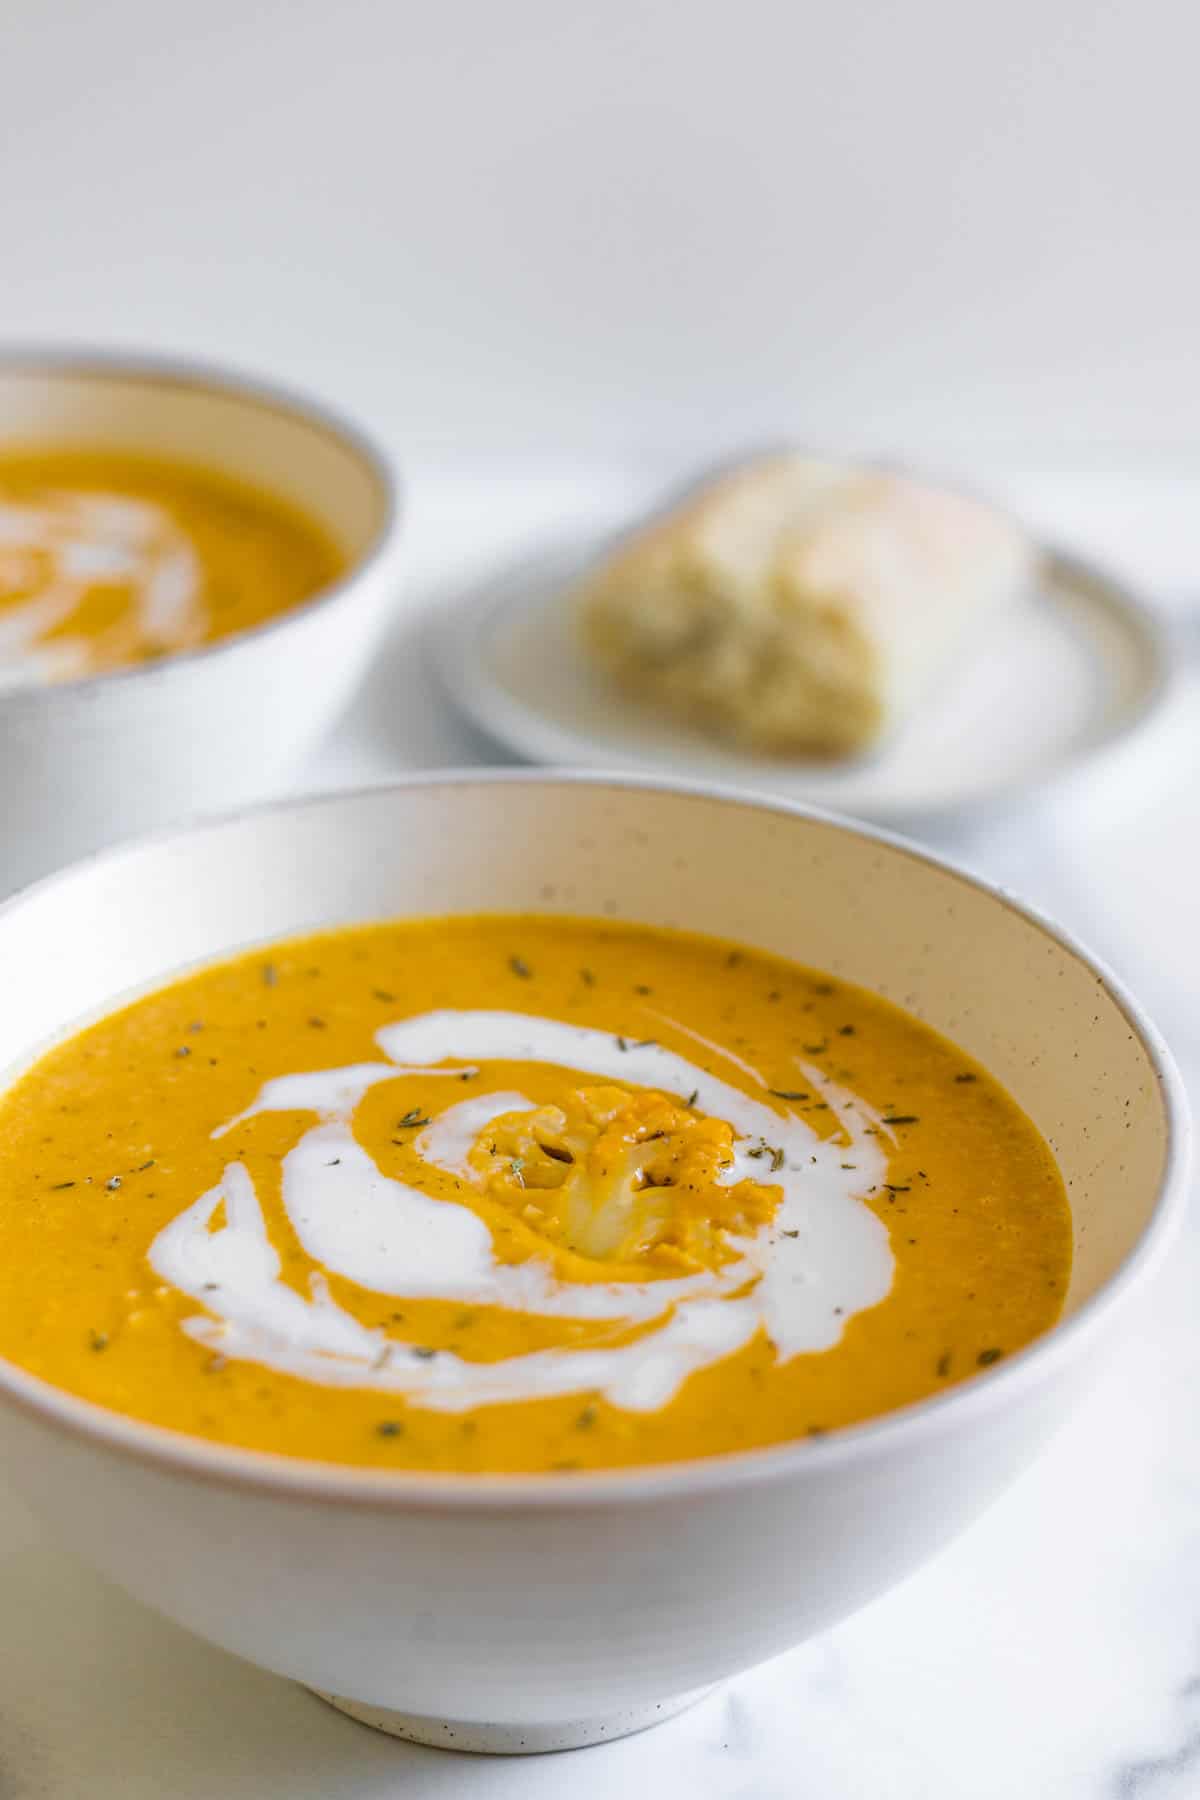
[55, 547]
[823, 1257]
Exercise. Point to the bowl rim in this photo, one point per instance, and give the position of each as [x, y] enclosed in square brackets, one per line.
[189, 374]
[303, 1479]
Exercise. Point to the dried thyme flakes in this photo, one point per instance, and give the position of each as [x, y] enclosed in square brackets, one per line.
[587, 978]
[98, 1340]
[586, 1419]
[900, 1119]
[383, 995]
[520, 968]
[788, 1093]
[693, 1097]
[776, 1159]
[987, 1357]
[412, 1118]
[943, 1364]
[390, 1428]
[962, 1078]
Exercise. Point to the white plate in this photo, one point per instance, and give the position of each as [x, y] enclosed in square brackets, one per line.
[1083, 666]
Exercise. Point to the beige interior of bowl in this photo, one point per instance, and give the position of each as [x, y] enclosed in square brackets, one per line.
[241, 433]
[971, 965]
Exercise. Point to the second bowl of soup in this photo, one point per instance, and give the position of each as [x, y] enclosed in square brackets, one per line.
[192, 572]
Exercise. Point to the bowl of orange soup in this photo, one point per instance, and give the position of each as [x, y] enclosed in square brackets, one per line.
[193, 571]
[508, 1251]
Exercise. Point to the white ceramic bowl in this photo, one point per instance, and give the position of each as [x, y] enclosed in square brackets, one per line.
[530, 1612]
[85, 762]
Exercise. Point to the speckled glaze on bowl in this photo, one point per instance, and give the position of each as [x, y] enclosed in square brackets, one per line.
[526, 1612]
[83, 763]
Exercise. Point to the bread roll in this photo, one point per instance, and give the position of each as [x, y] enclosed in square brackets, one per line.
[797, 606]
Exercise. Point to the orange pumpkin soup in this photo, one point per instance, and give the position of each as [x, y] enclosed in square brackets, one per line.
[109, 560]
[517, 1193]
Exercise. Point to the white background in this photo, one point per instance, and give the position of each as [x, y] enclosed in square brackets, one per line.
[960, 229]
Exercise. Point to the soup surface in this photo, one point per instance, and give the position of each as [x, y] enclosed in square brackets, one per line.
[109, 560]
[515, 1193]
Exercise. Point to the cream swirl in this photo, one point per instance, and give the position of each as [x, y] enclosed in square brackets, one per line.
[823, 1257]
[57, 546]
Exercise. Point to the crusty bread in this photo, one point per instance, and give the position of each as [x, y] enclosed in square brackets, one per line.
[801, 606]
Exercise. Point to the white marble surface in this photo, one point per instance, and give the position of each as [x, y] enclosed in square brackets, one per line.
[1052, 1653]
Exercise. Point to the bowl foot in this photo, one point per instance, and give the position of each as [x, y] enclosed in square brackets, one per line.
[514, 1740]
